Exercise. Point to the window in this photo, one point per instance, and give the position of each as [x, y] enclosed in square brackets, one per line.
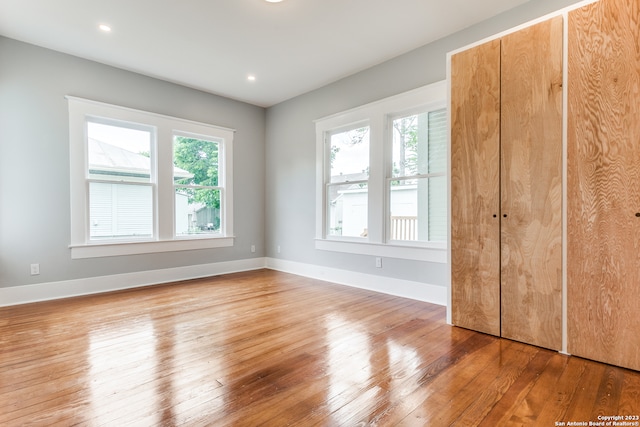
[382, 177]
[348, 182]
[143, 182]
[417, 186]
[196, 176]
[120, 180]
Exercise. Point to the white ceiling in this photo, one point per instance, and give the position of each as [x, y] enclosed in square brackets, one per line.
[291, 47]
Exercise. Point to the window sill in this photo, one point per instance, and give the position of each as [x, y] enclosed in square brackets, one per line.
[433, 253]
[98, 250]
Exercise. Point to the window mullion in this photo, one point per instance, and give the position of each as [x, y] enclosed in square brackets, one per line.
[377, 214]
[165, 199]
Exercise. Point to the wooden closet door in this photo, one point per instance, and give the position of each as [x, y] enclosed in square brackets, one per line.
[475, 173]
[603, 265]
[531, 185]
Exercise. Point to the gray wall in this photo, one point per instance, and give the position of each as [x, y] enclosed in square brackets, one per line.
[34, 162]
[291, 163]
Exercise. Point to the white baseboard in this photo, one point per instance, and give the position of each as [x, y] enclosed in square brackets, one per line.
[387, 285]
[92, 285]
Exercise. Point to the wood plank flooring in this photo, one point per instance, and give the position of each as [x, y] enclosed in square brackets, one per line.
[274, 349]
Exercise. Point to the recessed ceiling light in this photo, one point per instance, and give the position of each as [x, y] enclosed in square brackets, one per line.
[251, 78]
[105, 28]
[274, 1]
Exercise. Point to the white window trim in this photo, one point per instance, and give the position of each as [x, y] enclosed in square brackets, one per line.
[377, 115]
[327, 171]
[164, 239]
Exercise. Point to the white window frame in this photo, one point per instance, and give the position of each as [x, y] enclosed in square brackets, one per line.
[222, 181]
[390, 177]
[377, 115]
[164, 238]
[327, 172]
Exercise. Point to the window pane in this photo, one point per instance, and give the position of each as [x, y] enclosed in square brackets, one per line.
[418, 209]
[348, 210]
[120, 210]
[438, 141]
[410, 140]
[118, 153]
[420, 143]
[195, 161]
[404, 210]
[350, 155]
[197, 211]
[438, 209]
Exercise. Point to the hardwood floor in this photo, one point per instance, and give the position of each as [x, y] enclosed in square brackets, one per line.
[274, 349]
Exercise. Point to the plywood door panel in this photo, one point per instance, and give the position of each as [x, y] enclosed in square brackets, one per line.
[475, 143]
[531, 185]
[603, 252]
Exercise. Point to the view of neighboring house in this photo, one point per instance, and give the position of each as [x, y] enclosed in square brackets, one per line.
[409, 219]
[122, 185]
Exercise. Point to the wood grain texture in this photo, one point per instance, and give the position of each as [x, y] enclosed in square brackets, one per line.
[274, 349]
[531, 184]
[603, 174]
[475, 175]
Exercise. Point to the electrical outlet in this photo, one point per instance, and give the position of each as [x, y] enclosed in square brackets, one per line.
[278, 248]
[35, 269]
[379, 262]
[253, 248]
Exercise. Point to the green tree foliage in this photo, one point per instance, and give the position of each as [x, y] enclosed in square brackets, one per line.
[200, 158]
